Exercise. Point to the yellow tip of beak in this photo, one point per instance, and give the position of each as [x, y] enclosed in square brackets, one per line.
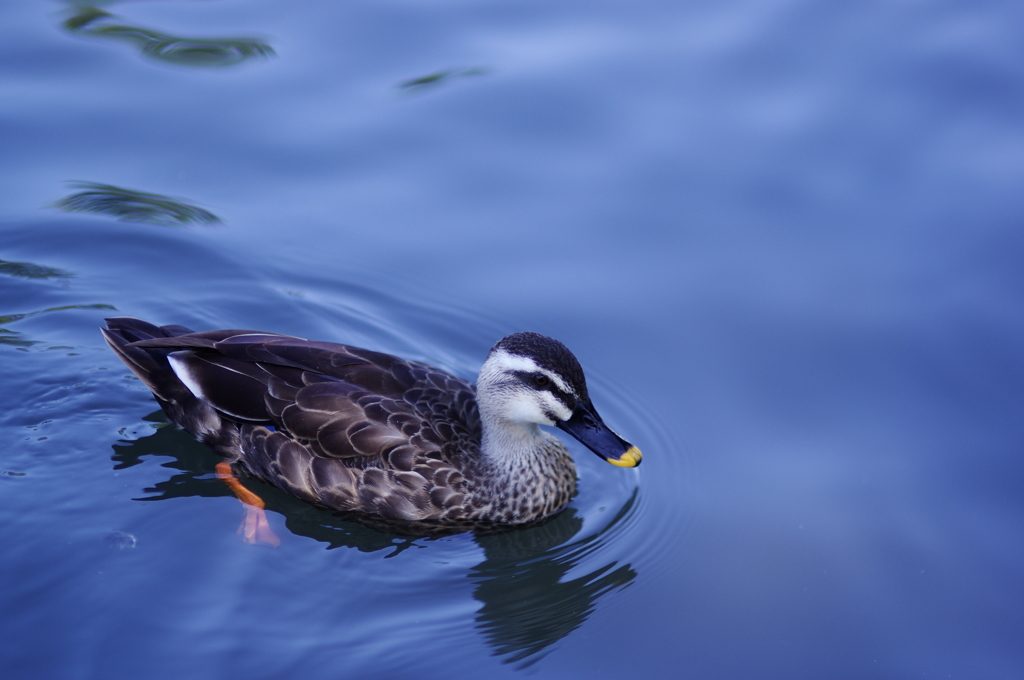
[631, 458]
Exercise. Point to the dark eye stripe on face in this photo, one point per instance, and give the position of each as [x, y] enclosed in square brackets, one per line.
[568, 400]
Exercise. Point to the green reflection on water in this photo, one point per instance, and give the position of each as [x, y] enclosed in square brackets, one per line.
[9, 337]
[129, 205]
[438, 78]
[200, 52]
[28, 270]
[15, 339]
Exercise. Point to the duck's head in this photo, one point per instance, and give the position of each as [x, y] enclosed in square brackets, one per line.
[531, 379]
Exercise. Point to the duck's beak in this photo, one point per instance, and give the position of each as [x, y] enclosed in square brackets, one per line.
[588, 427]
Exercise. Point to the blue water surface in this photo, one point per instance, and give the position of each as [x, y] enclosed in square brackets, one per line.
[783, 238]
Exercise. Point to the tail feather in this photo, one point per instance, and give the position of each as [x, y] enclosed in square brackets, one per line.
[152, 367]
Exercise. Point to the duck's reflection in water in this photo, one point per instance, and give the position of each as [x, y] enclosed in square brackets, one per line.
[526, 604]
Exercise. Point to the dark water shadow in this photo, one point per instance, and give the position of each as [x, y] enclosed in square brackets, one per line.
[29, 270]
[196, 476]
[437, 79]
[129, 205]
[91, 21]
[526, 603]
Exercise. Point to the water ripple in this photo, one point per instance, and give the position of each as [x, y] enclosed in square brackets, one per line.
[183, 51]
[129, 205]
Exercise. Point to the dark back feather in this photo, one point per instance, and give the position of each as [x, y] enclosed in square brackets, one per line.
[341, 401]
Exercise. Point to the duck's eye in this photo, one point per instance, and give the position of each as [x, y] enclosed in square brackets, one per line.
[541, 380]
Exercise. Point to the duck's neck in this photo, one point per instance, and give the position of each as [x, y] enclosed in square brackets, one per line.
[510, 447]
[529, 472]
[513, 447]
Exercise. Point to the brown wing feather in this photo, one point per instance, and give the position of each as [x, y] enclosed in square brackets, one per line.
[347, 428]
[342, 401]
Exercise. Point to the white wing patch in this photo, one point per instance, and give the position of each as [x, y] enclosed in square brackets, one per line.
[179, 364]
[183, 363]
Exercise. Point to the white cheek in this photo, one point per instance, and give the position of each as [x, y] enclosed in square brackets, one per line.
[524, 408]
[532, 407]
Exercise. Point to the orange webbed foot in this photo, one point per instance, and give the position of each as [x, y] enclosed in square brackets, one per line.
[254, 528]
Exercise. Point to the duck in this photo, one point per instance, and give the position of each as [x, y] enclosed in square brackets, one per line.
[370, 434]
